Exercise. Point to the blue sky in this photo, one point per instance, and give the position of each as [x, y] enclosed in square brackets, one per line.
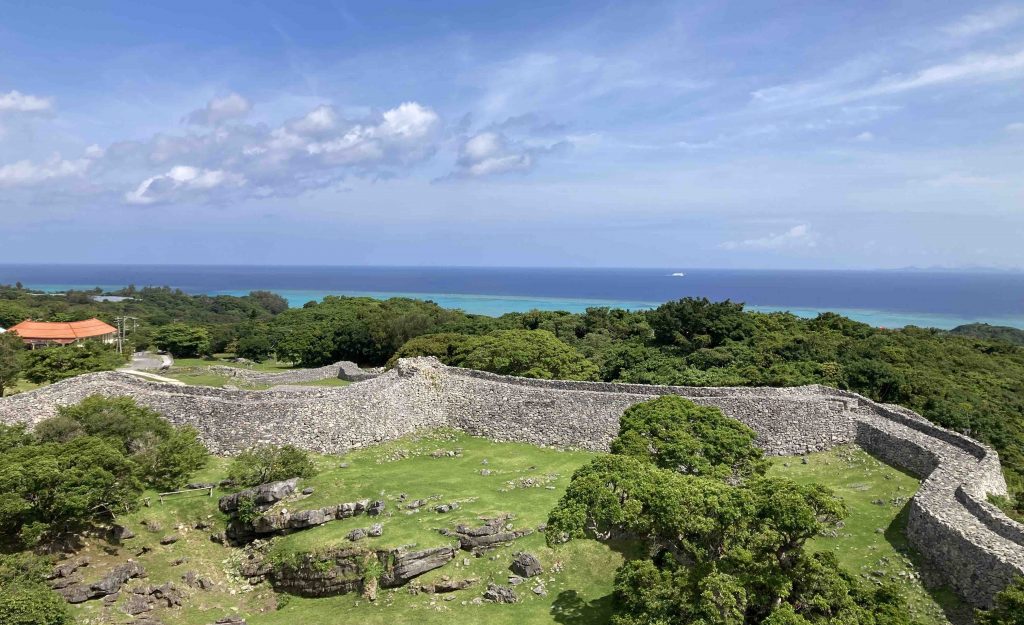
[699, 134]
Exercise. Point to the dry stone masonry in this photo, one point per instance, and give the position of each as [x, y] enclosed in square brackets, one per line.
[978, 548]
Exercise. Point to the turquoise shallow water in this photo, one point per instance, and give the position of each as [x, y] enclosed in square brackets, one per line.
[496, 305]
[941, 299]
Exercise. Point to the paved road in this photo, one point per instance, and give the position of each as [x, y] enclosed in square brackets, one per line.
[148, 361]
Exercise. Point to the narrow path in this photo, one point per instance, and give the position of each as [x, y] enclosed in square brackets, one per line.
[146, 375]
[148, 361]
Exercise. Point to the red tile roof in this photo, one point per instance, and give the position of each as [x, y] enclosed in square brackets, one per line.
[62, 332]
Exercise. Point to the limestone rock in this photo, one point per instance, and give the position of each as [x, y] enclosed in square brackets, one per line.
[264, 495]
[500, 594]
[412, 564]
[356, 534]
[137, 604]
[526, 565]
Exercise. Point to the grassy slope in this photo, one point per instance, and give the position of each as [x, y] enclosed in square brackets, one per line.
[577, 593]
[873, 542]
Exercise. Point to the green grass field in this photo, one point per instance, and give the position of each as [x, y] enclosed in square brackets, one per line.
[226, 360]
[525, 481]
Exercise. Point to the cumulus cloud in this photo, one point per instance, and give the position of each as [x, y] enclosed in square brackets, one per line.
[799, 236]
[513, 145]
[28, 173]
[219, 110]
[313, 151]
[18, 102]
[181, 181]
[491, 153]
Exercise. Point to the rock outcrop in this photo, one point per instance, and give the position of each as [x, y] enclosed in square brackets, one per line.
[264, 495]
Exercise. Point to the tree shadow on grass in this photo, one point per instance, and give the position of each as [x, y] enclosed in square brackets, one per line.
[571, 609]
[956, 610]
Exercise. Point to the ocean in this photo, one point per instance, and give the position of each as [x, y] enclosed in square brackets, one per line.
[941, 299]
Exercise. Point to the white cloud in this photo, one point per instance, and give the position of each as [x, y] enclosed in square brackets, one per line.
[180, 181]
[865, 137]
[27, 173]
[405, 132]
[831, 92]
[799, 236]
[1015, 127]
[18, 102]
[313, 151]
[978, 23]
[490, 153]
[218, 110]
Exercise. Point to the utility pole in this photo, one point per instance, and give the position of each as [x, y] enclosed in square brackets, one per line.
[122, 330]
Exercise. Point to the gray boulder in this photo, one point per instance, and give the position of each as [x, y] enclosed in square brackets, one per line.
[500, 594]
[412, 564]
[264, 495]
[526, 565]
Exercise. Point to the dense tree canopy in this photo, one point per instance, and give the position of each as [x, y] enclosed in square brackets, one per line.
[52, 364]
[87, 464]
[675, 433]
[182, 341]
[725, 550]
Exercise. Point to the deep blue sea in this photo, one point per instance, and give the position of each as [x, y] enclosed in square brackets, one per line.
[881, 298]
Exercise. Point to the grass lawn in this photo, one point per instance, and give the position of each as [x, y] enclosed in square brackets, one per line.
[225, 360]
[873, 541]
[524, 480]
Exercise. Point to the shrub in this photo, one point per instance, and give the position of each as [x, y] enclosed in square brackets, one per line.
[23, 603]
[270, 463]
[52, 364]
[1008, 608]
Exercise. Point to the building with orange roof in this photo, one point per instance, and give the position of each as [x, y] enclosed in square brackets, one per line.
[44, 334]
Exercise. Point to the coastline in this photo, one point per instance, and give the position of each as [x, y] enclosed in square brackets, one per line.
[497, 305]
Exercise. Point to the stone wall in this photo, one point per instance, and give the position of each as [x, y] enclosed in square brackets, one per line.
[344, 370]
[977, 548]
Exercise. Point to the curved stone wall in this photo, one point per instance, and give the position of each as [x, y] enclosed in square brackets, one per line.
[344, 370]
[971, 542]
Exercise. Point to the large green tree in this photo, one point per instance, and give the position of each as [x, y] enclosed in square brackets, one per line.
[727, 546]
[182, 340]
